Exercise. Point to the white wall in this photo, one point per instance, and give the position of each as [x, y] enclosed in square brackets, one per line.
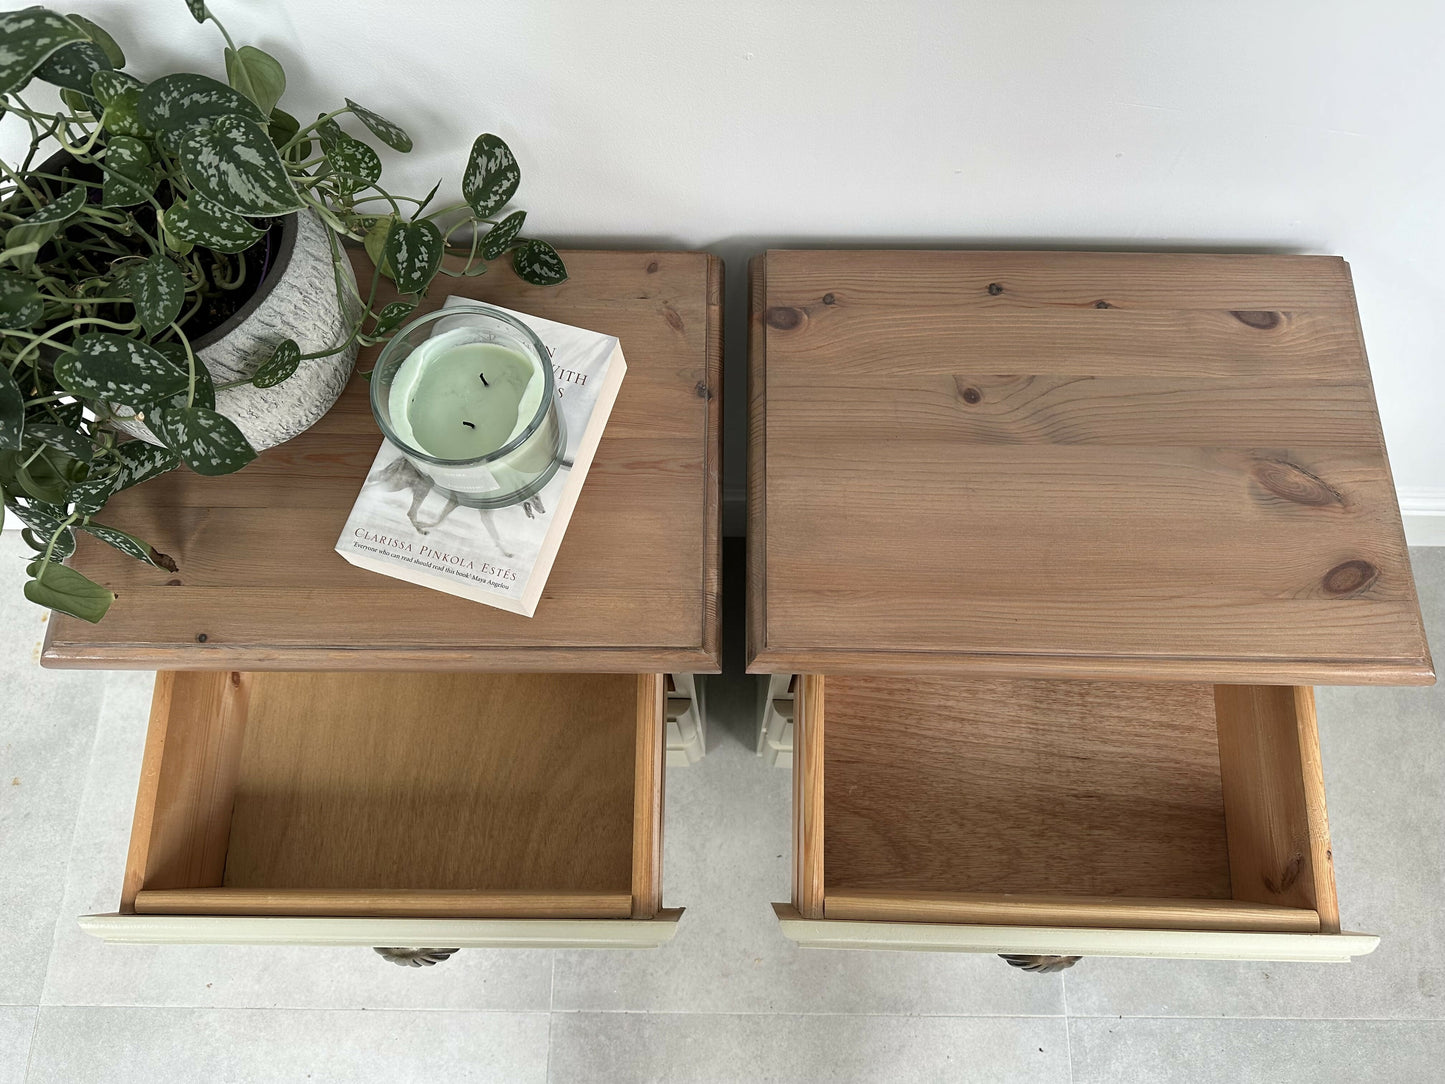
[1312, 126]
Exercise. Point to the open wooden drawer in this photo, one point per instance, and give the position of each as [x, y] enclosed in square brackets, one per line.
[398, 809]
[1045, 820]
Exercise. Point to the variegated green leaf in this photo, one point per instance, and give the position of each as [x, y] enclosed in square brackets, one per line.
[62, 588]
[198, 10]
[27, 38]
[235, 166]
[537, 262]
[209, 442]
[22, 236]
[130, 545]
[129, 178]
[383, 129]
[176, 105]
[391, 316]
[12, 411]
[101, 37]
[257, 75]
[20, 302]
[115, 369]
[414, 251]
[159, 289]
[279, 366]
[200, 223]
[140, 462]
[71, 66]
[119, 97]
[42, 517]
[503, 235]
[76, 445]
[492, 176]
[349, 157]
[58, 210]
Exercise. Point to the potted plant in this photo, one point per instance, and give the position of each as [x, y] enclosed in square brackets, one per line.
[176, 272]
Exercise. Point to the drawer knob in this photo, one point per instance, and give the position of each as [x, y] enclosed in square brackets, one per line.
[1040, 965]
[415, 957]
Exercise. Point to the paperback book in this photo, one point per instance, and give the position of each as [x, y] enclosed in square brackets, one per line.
[403, 526]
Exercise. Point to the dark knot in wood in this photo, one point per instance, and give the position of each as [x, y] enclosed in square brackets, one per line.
[972, 396]
[674, 321]
[1287, 877]
[1292, 482]
[784, 318]
[995, 289]
[1101, 304]
[829, 299]
[702, 390]
[1350, 578]
[1262, 319]
[201, 638]
[652, 268]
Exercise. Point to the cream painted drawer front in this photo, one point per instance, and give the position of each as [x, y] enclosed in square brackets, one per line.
[398, 809]
[1049, 819]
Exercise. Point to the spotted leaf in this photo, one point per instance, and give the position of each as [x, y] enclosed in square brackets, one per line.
[12, 411]
[383, 129]
[492, 176]
[414, 251]
[355, 162]
[503, 235]
[279, 366]
[390, 317]
[129, 178]
[233, 164]
[209, 442]
[129, 545]
[101, 37]
[159, 289]
[20, 302]
[198, 222]
[537, 262]
[27, 38]
[175, 105]
[115, 369]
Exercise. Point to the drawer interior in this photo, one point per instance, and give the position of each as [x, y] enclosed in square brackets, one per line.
[448, 795]
[1063, 803]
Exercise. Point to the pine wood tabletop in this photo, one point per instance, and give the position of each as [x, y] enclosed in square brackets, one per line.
[1070, 464]
[634, 587]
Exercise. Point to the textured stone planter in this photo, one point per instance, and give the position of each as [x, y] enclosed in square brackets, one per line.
[296, 300]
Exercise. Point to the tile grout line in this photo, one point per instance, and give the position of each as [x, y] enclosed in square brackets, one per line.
[551, 1012]
[1068, 1031]
[30, 1051]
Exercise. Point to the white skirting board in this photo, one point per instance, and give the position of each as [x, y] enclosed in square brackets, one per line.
[1423, 511]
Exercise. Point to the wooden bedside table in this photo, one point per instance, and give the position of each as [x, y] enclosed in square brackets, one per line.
[991, 495]
[452, 795]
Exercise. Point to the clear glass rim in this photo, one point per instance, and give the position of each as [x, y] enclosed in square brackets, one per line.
[475, 308]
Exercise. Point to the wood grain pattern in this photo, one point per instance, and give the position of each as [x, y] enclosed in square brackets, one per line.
[809, 797]
[1274, 806]
[1036, 464]
[1102, 912]
[181, 830]
[259, 586]
[447, 781]
[1032, 787]
[397, 903]
[647, 803]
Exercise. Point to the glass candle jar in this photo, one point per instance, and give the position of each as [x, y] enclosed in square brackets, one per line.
[466, 394]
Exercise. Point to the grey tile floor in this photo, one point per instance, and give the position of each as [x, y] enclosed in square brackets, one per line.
[730, 999]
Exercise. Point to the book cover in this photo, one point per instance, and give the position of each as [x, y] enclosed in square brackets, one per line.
[403, 526]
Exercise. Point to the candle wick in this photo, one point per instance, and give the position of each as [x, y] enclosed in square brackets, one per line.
[484, 380]
[469, 425]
